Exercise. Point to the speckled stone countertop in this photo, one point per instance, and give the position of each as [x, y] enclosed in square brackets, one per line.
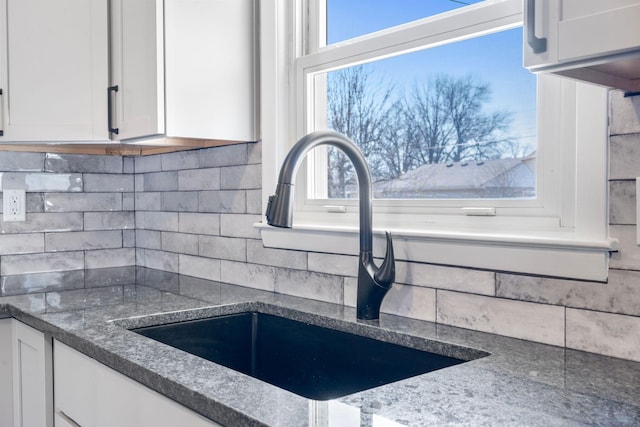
[519, 383]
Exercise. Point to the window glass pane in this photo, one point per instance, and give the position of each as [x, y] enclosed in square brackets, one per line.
[347, 19]
[456, 121]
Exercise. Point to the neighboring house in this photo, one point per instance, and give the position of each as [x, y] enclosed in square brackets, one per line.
[501, 178]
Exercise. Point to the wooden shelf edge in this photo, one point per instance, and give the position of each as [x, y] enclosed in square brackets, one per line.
[139, 148]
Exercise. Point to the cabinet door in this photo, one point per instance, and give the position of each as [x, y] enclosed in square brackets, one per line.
[137, 68]
[56, 54]
[32, 378]
[579, 30]
[6, 377]
[92, 395]
[210, 69]
[590, 28]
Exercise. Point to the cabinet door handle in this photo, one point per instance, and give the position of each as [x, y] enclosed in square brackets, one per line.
[1, 130]
[110, 91]
[538, 44]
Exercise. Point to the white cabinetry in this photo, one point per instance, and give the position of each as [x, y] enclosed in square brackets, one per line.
[6, 375]
[89, 394]
[137, 69]
[592, 40]
[97, 70]
[210, 69]
[32, 377]
[53, 70]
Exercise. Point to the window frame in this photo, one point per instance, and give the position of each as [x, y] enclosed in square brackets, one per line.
[571, 240]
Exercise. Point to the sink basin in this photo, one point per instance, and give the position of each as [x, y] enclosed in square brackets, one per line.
[312, 361]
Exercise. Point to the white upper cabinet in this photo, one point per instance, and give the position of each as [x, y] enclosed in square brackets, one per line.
[210, 69]
[592, 40]
[94, 70]
[53, 70]
[137, 69]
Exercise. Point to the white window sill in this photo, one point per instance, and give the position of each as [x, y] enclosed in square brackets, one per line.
[556, 254]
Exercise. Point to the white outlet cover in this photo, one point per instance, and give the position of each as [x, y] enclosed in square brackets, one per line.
[13, 205]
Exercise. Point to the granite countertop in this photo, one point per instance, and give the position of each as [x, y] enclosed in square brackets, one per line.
[518, 383]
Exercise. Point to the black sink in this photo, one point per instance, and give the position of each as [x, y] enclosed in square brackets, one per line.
[312, 361]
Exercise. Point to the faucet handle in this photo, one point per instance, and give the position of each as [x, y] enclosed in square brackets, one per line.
[386, 274]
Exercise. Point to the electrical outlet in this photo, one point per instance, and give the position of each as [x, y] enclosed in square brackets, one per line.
[14, 205]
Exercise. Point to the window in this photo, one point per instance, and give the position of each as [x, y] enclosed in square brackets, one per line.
[475, 161]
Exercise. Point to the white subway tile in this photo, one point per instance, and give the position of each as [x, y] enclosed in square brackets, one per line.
[148, 239]
[604, 333]
[161, 181]
[39, 222]
[623, 113]
[204, 268]
[82, 163]
[258, 254]
[229, 248]
[107, 258]
[450, 278]
[180, 243]
[618, 295]
[109, 220]
[234, 201]
[344, 265]
[148, 201]
[628, 255]
[128, 202]
[22, 162]
[83, 240]
[254, 153]
[242, 177]
[129, 238]
[225, 155]
[180, 201]
[21, 243]
[38, 182]
[249, 275]
[624, 152]
[82, 202]
[94, 182]
[350, 291]
[180, 160]
[41, 263]
[161, 221]
[306, 284]
[410, 301]
[159, 260]
[622, 202]
[254, 202]
[199, 223]
[148, 164]
[199, 179]
[239, 226]
[517, 319]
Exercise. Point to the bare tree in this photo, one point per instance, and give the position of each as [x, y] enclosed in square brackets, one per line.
[452, 124]
[360, 110]
[443, 120]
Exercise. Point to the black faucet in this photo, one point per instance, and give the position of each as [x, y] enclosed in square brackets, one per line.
[373, 282]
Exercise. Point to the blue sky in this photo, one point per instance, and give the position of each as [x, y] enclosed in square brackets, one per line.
[495, 59]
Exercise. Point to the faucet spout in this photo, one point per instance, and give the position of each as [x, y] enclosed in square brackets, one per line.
[373, 282]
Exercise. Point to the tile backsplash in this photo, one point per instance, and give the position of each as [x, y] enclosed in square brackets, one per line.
[80, 214]
[192, 212]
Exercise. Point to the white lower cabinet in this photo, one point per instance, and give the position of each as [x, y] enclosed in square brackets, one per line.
[26, 382]
[89, 394]
[6, 376]
[32, 377]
